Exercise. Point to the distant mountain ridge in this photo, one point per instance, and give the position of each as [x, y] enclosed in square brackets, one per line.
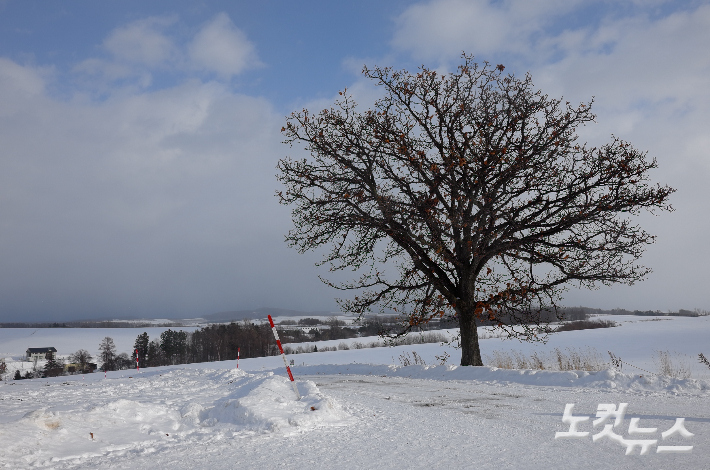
[263, 313]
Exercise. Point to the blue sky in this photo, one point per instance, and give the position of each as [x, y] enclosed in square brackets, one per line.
[138, 140]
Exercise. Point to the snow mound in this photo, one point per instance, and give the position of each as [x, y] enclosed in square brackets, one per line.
[155, 412]
[43, 419]
[269, 404]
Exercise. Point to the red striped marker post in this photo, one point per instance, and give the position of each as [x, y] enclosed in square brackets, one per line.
[238, 357]
[137, 366]
[283, 356]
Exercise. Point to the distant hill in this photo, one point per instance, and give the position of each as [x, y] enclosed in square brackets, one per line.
[262, 313]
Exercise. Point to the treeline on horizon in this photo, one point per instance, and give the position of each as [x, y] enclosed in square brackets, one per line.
[620, 311]
[91, 324]
[570, 313]
[246, 339]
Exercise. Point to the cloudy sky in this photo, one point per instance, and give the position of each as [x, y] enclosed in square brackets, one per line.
[138, 140]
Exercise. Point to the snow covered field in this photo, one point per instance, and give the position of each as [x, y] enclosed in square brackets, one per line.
[363, 409]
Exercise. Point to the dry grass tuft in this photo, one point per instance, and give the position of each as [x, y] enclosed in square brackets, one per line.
[673, 365]
[587, 359]
[414, 360]
[703, 359]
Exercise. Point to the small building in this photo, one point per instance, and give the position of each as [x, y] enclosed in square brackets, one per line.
[41, 353]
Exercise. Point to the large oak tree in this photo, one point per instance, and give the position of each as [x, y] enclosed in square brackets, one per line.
[473, 187]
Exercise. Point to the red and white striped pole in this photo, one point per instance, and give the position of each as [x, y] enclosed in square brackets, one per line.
[238, 357]
[137, 365]
[283, 356]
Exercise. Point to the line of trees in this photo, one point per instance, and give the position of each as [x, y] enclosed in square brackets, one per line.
[210, 343]
[89, 324]
[222, 343]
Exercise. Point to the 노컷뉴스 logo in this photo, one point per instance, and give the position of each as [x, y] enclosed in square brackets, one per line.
[606, 411]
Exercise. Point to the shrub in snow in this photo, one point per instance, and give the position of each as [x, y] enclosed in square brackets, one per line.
[672, 365]
[415, 359]
[704, 360]
[586, 325]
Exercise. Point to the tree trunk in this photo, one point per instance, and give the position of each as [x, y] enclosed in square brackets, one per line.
[470, 350]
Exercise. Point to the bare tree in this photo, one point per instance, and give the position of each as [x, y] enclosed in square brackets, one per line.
[123, 361]
[82, 358]
[473, 187]
[333, 322]
[107, 354]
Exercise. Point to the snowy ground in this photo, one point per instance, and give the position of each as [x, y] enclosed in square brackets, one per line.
[362, 409]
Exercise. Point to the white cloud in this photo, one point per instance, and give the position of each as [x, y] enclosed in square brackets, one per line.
[663, 57]
[442, 29]
[222, 48]
[160, 199]
[649, 73]
[19, 79]
[101, 75]
[136, 51]
[142, 42]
